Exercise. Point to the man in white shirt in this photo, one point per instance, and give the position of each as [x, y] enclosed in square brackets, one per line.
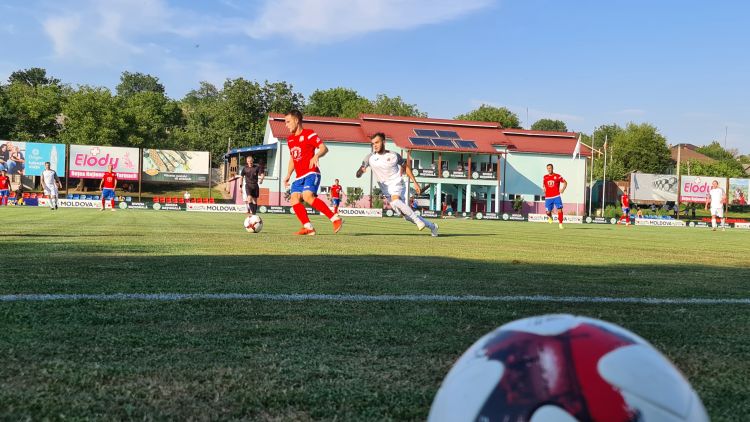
[388, 168]
[50, 183]
[717, 197]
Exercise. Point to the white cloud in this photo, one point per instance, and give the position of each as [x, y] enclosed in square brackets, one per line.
[332, 20]
[61, 31]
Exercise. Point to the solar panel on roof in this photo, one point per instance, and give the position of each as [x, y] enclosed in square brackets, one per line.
[421, 141]
[448, 134]
[466, 144]
[426, 132]
[443, 142]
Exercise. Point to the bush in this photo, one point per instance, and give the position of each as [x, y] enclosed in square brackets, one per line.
[517, 204]
[377, 198]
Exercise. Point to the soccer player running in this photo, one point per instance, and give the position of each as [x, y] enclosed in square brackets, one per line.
[4, 187]
[625, 202]
[388, 168]
[107, 186]
[252, 176]
[306, 149]
[554, 186]
[50, 183]
[717, 198]
[336, 195]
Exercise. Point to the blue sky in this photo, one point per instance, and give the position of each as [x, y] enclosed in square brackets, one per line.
[680, 65]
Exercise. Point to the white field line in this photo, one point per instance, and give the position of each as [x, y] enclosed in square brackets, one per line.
[294, 297]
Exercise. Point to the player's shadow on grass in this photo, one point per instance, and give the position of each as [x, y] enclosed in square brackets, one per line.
[121, 268]
[75, 236]
[411, 235]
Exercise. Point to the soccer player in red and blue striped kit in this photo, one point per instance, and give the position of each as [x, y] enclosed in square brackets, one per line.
[306, 148]
[552, 191]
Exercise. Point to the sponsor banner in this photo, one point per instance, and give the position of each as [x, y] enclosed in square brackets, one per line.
[425, 172]
[163, 165]
[600, 220]
[484, 175]
[542, 218]
[489, 216]
[742, 225]
[75, 203]
[272, 209]
[739, 191]
[698, 224]
[134, 205]
[455, 174]
[429, 214]
[653, 187]
[696, 188]
[166, 207]
[90, 162]
[361, 212]
[30, 157]
[660, 223]
[239, 208]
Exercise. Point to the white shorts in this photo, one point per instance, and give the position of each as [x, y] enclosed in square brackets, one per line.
[394, 188]
[51, 192]
[717, 211]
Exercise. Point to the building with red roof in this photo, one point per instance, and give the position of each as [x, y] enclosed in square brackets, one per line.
[467, 166]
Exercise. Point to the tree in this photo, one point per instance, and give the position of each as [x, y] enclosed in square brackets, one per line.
[716, 151]
[550, 125]
[395, 106]
[724, 168]
[134, 83]
[34, 76]
[33, 110]
[338, 102]
[609, 134]
[92, 117]
[6, 116]
[640, 147]
[279, 97]
[488, 113]
[149, 118]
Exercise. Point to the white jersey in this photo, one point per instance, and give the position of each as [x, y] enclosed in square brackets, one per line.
[50, 180]
[386, 167]
[717, 197]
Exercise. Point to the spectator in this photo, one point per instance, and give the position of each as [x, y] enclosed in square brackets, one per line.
[186, 196]
[4, 155]
[639, 213]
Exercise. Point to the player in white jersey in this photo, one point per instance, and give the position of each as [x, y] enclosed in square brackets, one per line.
[388, 168]
[717, 198]
[50, 183]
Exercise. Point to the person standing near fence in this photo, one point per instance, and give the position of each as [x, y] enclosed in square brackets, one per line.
[107, 186]
[717, 198]
[4, 187]
[51, 183]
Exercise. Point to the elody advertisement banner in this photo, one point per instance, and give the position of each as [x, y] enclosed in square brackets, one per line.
[163, 165]
[696, 188]
[28, 158]
[90, 162]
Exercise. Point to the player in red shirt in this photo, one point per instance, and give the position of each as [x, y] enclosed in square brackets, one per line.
[306, 148]
[554, 186]
[107, 186]
[4, 187]
[336, 195]
[625, 201]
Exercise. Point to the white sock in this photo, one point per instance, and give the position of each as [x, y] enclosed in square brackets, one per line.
[713, 221]
[308, 226]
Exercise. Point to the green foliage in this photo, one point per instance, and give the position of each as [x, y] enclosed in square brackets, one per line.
[716, 151]
[92, 117]
[135, 83]
[550, 125]
[337, 102]
[34, 110]
[637, 147]
[149, 117]
[377, 198]
[726, 168]
[34, 76]
[353, 195]
[395, 106]
[518, 203]
[488, 113]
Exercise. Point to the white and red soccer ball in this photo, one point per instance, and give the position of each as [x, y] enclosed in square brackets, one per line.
[253, 224]
[564, 368]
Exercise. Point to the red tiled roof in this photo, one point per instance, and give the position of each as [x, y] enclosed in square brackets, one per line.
[486, 135]
[542, 142]
[328, 128]
[689, 153]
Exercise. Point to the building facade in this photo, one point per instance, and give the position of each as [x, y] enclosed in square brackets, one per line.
[466, 166]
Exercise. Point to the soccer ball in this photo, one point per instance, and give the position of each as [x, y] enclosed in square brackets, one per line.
[253, 224]
[564, 368]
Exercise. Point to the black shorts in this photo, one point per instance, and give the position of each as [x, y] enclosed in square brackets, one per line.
[252, 190]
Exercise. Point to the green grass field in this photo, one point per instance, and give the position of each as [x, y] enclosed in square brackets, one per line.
[219, 359]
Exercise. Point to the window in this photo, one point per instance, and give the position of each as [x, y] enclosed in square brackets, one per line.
[325, 189]
[538, 198]
[416, 164]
